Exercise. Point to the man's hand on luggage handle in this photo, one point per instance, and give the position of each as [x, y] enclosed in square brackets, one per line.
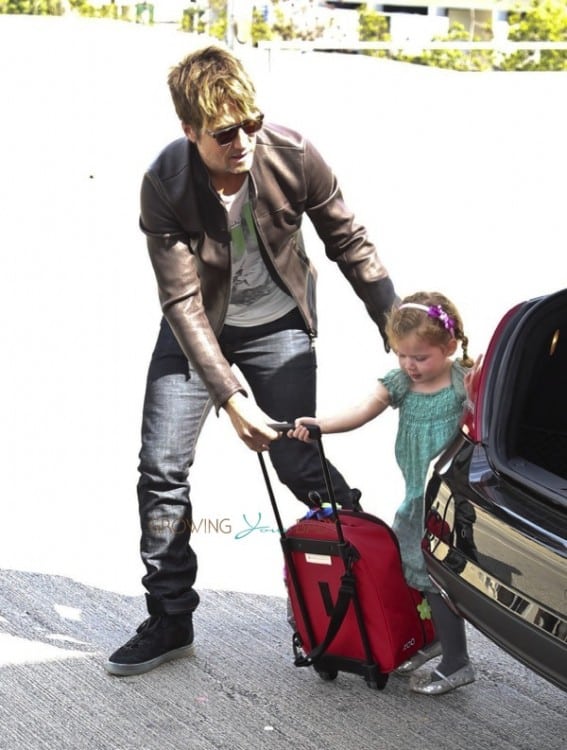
[250, 422]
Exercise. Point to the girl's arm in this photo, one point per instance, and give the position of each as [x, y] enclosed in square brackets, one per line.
[373, 405]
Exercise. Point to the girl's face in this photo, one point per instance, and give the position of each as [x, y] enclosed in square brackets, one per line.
[425, 363]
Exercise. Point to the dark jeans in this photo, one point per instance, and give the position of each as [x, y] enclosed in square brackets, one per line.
[279, 364]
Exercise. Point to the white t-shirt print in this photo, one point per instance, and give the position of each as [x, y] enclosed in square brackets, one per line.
[255, 298]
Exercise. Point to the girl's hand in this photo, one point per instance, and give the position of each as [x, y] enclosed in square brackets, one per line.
[300, 432]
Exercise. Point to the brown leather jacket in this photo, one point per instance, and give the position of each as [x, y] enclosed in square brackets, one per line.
[189, 242]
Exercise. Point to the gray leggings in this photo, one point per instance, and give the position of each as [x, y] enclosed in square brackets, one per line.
[450, 629]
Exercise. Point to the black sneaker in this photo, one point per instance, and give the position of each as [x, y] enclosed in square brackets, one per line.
[158, 639]
[355, 496]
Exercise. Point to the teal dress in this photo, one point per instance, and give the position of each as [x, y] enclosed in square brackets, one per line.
[427, 421]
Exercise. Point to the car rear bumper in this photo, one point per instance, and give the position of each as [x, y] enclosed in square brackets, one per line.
[520, 627]
[499, 556]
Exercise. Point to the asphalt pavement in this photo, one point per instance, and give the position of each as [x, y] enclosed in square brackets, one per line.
[240, 690]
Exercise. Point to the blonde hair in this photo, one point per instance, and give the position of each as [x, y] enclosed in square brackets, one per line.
[207, 82]
[432, 317]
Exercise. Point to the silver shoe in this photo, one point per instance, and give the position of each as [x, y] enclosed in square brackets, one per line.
[436, 683]
[419, 659]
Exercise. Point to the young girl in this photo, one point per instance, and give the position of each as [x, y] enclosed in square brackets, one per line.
[429, 389]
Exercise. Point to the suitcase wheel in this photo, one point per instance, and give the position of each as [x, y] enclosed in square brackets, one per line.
[379, 683]
[328, 676]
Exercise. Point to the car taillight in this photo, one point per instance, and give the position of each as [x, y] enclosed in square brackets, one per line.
[471, 422]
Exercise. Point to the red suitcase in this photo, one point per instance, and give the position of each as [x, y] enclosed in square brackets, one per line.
[352, 607]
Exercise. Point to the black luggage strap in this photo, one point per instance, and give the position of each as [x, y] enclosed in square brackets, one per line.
[347, 592]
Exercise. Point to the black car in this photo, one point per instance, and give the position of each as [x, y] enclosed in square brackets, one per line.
[496, 538]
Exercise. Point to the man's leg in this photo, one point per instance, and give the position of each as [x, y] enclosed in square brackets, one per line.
[280, 368]
[175, 407]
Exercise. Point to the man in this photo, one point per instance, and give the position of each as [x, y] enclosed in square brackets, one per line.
[221, 209]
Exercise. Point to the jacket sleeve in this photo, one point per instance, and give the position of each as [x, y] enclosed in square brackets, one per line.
[179, 290]
[346, 241]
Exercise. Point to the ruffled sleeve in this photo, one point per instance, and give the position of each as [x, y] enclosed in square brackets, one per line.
[397, 383]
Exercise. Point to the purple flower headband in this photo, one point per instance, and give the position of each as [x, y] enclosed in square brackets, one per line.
[434, 311]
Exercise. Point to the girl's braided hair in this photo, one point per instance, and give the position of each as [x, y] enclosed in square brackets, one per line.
[432, 317]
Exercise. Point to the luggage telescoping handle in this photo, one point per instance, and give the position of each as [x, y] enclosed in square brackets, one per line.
[314, 434]
[271, 496]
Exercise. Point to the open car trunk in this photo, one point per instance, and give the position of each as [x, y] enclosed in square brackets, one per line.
[525, 412]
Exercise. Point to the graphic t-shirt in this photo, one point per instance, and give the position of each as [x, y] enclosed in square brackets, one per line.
[255, 298]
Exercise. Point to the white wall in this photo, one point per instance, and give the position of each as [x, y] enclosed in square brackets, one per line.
[454, 174]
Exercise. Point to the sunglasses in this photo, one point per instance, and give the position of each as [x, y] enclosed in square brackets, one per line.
[225, 136]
